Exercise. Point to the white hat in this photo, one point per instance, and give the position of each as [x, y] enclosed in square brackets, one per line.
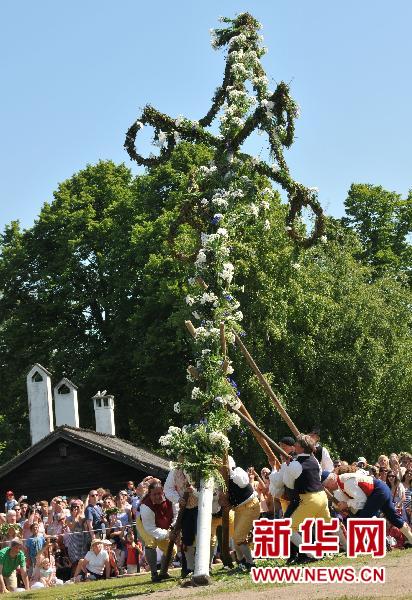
[362, 459]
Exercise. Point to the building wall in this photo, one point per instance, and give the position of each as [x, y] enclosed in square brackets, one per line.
[49, 474]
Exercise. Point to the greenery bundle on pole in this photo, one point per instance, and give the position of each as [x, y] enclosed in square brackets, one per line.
[221, 201]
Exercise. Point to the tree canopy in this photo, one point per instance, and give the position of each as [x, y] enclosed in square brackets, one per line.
[93, 291]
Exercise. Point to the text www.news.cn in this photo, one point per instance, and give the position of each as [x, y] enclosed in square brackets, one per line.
[318, 575]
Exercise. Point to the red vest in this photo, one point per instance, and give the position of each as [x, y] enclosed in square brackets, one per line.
[163, 512]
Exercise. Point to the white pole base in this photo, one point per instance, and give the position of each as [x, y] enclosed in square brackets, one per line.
[204, 525]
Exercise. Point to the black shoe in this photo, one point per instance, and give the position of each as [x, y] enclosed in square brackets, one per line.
[304, 558]
[185, 573]
[165, 576]
[156, 578]
[407, 544]
[249, 566]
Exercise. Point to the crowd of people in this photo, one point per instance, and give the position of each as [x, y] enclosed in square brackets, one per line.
[69, 540]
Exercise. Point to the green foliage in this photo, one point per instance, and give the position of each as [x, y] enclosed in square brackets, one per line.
[99, 288]
[383, 221]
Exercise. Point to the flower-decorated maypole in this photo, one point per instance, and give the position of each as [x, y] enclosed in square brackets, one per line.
[224, 196]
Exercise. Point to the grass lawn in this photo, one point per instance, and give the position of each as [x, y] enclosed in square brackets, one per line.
[223, 581]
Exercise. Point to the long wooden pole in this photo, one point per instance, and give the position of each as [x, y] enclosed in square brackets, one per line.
[266, 386]
[259, 438]
[262, 442]
[261, 433]
[226, 558]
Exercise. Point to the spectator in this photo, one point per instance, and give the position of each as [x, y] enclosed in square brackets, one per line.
[10, 559]
[133, 554]
[34, 544]
[397, 492]
[11, 517]
[48, 551]
[10, 501]
[130, 490]
[94, 516]
[395, 466]
[383, 461]
[407, 482]
[124, 508]
[266, 499]
[383, 474]
[95, 564]
[76, 541]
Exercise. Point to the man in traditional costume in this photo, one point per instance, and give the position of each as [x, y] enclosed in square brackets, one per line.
[180, 491]
[365, 497]
[154, 525]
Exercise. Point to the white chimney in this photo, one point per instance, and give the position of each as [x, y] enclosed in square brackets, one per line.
[104, 413]
[40, 402]
[65, 403]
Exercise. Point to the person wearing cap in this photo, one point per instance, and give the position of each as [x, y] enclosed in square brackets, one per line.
[321, 453]
[362, 463]
[10, 559]
[243, 498]
[155, 526]
[365, 497]
[96, 563]
[10, 501]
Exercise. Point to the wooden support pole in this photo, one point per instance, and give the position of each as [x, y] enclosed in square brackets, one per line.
[226, 558]
[266, 386]
[223, 339]
[261, 433]
[190, 328]
[193, 372]
[243, 413]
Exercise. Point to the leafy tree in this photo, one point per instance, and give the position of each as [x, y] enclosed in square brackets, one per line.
[335, 344]
[383, 221]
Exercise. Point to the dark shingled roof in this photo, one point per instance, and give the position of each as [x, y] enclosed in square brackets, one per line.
[109, 445]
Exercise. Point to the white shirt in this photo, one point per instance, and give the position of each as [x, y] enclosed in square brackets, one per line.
[355, 498]
[277, 485]
[96, 562]
[239, 476]
[175, 487]
[149, 522]
[241, 479]
[326, 461]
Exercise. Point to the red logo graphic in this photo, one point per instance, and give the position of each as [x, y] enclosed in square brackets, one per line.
[271, 539]
[324, 542]
[366, 536]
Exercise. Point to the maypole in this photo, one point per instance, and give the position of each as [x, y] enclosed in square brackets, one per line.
[223, 197]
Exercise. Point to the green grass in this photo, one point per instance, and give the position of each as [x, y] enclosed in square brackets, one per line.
[223, 581]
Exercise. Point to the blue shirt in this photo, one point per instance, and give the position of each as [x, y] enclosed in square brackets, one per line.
[95, 515]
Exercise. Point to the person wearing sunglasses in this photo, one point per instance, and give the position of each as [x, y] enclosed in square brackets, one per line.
[407, 482]
[397, 492]
[94, 516]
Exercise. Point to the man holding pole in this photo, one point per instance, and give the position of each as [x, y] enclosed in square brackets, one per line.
[246, 506]
[303, 475]
[157, 516]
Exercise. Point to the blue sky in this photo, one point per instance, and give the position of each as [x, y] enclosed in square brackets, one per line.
[74, 74]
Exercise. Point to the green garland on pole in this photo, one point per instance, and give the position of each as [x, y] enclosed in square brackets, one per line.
[222, 199]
